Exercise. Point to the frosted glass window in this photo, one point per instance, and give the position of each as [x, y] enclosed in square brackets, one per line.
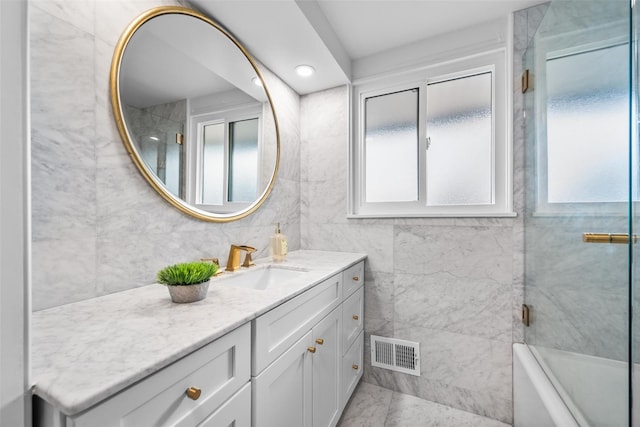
[587, 126]
[460, 141]
[433, 142]
[243, 160]
[391, 147]
[213, 164]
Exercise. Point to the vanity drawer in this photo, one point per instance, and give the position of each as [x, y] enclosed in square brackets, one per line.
[218, 369]
[277, 330]
[234, 412]
[352, 317]
[352, 368]
[353, 279]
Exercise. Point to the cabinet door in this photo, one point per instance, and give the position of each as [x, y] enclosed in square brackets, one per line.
[327, 338]
[282, 392]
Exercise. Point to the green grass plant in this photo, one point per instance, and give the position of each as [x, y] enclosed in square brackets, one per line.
[187, 273]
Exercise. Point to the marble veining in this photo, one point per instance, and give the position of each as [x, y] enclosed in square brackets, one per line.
[476, 307]
[444, 282]
[89, 201]
[86, 351]
[373, 406]
[312, 201]
[409, 410]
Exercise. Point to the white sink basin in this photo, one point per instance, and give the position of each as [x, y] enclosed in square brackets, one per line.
[262, 278]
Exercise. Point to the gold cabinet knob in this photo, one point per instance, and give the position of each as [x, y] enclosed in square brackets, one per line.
[311, 349]
[319, 341]
[193, 393]
[355, 278]
[356, 317]
[355, 367]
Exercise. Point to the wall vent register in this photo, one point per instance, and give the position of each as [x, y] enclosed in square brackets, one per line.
[396, 355]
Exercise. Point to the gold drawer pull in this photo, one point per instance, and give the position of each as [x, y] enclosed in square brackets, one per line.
[193, 393]
[356, 317]
[311, 349]
[355, 367]
[319, 341]
[356, 278]
[608, 238]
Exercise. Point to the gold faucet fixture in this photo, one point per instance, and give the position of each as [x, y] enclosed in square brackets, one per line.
[233, 263]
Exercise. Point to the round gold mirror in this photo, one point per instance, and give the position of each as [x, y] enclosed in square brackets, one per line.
[195, 114]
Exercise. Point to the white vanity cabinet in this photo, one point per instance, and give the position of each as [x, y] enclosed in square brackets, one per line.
[218, 375]
[297, 360]
[352, 331]
[300, 356]
[277, 330]
[285, 357]
[302, 386]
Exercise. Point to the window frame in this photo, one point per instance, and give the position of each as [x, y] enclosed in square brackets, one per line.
[547, 49]
[194, 158]
[494, 61]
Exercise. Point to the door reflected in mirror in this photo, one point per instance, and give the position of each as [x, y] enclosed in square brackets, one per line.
[200, 130]
[158, 137]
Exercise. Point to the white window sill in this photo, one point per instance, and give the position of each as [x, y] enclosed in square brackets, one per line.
[435, 215]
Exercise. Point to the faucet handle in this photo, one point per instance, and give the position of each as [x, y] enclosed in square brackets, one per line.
[215, 261]
[248, 262]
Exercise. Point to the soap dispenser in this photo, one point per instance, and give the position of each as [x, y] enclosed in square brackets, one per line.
[278, 245]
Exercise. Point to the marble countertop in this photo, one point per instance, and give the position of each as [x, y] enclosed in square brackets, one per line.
[84, 352]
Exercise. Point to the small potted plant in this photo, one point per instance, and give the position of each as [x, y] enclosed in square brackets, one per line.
[188, 281]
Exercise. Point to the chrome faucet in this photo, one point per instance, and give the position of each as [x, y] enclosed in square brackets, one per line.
[233, 263]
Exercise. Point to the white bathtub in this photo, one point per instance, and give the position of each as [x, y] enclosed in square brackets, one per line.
[595, 383]
[535, 402]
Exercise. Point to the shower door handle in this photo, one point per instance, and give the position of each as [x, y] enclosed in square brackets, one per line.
[608, 238]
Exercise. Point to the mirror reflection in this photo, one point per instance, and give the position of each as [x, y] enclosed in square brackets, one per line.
[195, 114]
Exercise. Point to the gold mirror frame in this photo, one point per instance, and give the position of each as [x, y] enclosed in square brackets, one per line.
[152, 179]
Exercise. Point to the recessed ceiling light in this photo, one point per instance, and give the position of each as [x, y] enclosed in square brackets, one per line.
[256, 81]
[305, 70]
[154, 138]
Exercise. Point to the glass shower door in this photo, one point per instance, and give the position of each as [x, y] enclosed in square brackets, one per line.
[578, 155]
[635, 215]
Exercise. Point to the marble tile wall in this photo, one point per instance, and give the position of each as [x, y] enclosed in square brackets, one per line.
[98, 227]
[455, 285]
[446, 283]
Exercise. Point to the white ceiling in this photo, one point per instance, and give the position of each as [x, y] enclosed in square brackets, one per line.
[331, 35]
[369, 27]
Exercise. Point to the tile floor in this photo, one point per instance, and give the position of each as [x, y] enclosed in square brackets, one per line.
[373, 406]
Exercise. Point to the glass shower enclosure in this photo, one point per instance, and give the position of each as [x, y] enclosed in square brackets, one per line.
[581, 172]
